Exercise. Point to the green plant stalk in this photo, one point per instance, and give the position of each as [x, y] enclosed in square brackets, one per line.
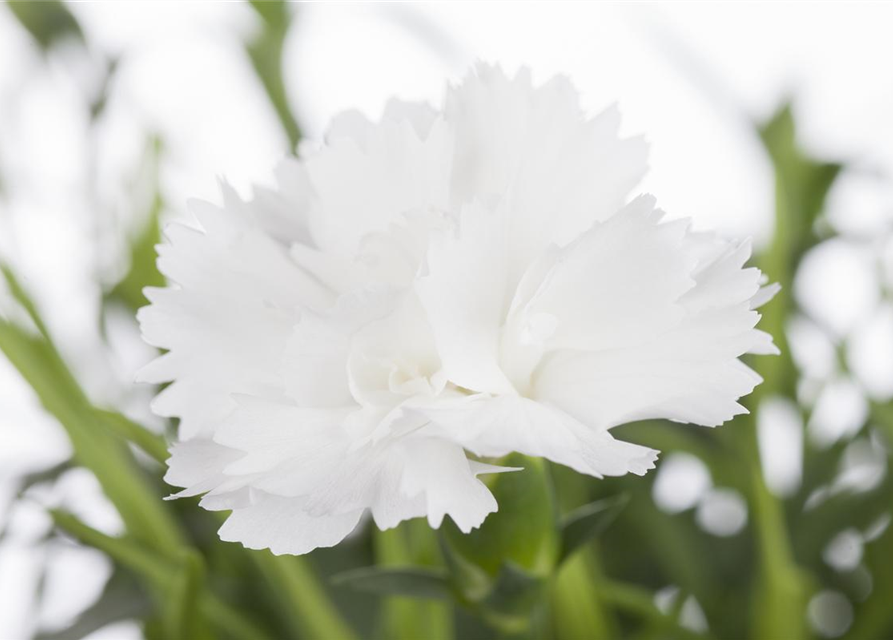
[407, 618]
[311, 612]
[578, 612]
[162, 574]
[780, 601]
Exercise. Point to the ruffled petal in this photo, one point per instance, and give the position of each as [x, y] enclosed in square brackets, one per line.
[559, 170]
[465, 296]
[282, 526]
[366, 179]
[496, 426]
[619, 284]
[226, 322]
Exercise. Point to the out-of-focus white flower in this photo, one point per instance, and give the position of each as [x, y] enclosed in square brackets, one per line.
[429, 286]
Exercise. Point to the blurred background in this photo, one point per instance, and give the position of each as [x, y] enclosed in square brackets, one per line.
[768, 120]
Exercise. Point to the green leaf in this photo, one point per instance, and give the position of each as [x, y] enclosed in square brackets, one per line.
[588, 522]
[25, 482]
[21, 296]
[265, 52]
[274, 14]
[50, 474]
[151, 443]
[515, 594]
[412, 582]
[48, 22]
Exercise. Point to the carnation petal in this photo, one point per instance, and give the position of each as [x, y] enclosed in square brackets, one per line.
[465, 295]
[496, 426]
[280, 525]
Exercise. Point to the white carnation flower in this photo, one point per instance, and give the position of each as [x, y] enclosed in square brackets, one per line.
[434, 285]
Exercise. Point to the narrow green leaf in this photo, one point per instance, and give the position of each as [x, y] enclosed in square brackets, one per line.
[48, 22]
[515, 594]
[411, 582]
[153, 569]
[588, 522]
[21, 296]
[265, 52]
[50, 474]
[151, 443]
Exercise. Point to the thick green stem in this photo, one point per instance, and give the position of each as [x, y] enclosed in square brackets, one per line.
[578, 612]
[310, 611]
[780, 601]
[162, 574]
[407, 618]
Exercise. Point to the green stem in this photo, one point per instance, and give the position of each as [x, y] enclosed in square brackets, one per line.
[780, 602]
[161, 573]
[578, 613]
[577, 608]
[407, 618]
[311, 612]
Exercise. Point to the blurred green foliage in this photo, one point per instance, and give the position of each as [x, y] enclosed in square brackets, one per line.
[142, 271]
[48, 22]
[265, 52]
[565, 558]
